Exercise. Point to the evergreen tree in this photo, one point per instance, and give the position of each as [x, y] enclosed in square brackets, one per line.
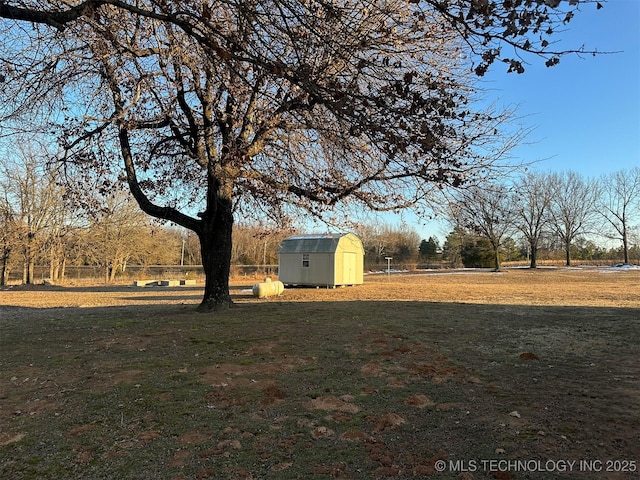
[429, 249]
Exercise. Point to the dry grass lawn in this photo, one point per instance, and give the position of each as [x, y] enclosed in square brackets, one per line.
[547, 286]
[474, 375]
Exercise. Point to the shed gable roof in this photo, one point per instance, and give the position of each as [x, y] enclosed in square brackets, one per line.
[327, 243]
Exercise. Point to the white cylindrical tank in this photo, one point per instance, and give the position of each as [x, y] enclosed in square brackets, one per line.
[268, 289]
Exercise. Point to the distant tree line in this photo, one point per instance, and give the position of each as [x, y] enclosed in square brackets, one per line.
[39, 225]
[42, 225]
[550, 216]
[556, 216]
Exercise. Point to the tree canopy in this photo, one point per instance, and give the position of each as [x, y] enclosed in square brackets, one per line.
[207, 107]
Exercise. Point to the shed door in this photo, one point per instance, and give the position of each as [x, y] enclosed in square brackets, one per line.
[349, 268]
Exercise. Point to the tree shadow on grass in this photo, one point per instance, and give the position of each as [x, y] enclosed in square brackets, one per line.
[357, 388]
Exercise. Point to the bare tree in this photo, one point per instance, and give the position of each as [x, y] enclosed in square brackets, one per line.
[532, 198]
[266, 105]
[117, 232]
[381, 240]
[257, 243]
[8, 235]
[375, 243]
[33, 201]
[619, 204]
[404, 241]
[488, 212]
[572, 208]
[54, 244]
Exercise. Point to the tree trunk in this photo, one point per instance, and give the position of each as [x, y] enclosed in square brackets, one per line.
[496, 259]
[534, 255]
[215, 246]
[625, 246]
[4, 271]
[114, 270]
[213, 229]
[54, 265]
[567, 250]
[53, 262]
[29, 267]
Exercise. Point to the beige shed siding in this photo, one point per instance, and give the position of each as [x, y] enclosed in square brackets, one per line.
[348, 268]
[333, 260]
[319, 271]
[349, 261]
[291, 271]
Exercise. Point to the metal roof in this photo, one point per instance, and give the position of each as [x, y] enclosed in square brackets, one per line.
[312, 243]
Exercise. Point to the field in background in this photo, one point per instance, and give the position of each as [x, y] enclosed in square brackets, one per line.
[92, 275]
[384, 380]
[591, 286]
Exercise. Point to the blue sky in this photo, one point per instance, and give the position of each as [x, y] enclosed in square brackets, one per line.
[585, 111]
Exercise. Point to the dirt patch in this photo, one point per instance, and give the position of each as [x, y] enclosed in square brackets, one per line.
[419, 401]
[526, 356]
[273, 395]
[332, 404]
[192, 438]
[258, 376]
[8, 438]
[387, 421]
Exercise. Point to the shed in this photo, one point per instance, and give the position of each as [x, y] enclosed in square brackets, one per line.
[329, 260]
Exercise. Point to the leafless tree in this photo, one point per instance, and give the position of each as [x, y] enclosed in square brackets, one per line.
[33, 202]
[381, 240]
[572, 208]
[619, 205]
[8, 236]
[375, 243]
[257, 243]
[487, 211]
[532, 198]
[266, 105]
[118, 231]
[55, 244]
